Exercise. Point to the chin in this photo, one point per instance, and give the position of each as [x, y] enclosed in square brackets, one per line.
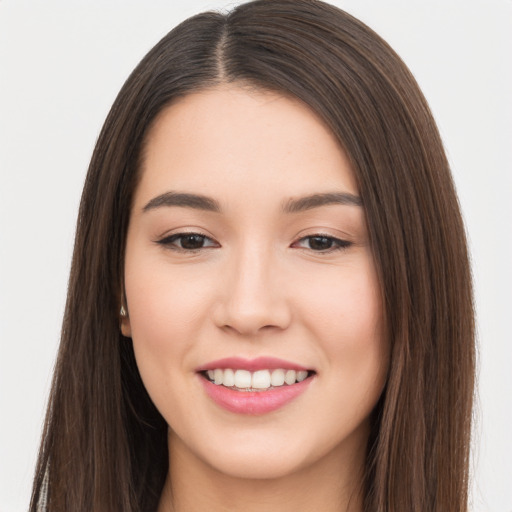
[257, 467]
[261, 457]
[252, 455]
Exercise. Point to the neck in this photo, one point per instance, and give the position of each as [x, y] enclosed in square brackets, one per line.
[333, 483]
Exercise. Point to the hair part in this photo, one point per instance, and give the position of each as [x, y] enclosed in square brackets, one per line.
[104, 443]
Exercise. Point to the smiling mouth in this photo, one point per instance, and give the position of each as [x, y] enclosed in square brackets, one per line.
[260, 380]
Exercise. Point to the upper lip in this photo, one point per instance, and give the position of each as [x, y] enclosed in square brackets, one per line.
[252, 365]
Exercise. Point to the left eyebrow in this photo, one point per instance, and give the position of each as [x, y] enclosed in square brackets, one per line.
[316, 200]
[195, 201]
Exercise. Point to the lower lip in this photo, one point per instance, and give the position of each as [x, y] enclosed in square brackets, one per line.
[254, 402]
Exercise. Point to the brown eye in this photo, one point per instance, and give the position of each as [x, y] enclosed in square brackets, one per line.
[192, 241]
[187, 242]
[322, 243]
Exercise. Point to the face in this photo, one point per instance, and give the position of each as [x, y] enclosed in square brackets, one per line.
[252, 297]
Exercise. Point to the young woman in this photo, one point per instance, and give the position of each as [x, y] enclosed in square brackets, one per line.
[270, 300]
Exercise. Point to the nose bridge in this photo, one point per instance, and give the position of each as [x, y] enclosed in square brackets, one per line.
[253, 297]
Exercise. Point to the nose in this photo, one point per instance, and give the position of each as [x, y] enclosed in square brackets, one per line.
[253, 297]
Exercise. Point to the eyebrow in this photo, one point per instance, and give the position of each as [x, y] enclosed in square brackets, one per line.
[316, 200]
[196, 201]
[200, 202]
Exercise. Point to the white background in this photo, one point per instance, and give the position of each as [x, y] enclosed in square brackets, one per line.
[61, 66]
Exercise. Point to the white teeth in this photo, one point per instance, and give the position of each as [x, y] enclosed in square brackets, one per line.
[301, 375]
[277, 378]
[229, 378]
[218, 376]
[242, 379]
[261, 379]
[290, 377]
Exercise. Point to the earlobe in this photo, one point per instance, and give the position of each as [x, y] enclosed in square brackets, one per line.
[124, 323]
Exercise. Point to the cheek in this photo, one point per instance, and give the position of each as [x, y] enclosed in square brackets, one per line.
[345, 302]
[345, 312]
[163, 302]
[164, 310]
[164, 315]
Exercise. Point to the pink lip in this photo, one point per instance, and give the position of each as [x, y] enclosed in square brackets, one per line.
[253, 402]
[251, 365]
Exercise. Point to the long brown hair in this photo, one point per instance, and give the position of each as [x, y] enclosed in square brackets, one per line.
[104, 444]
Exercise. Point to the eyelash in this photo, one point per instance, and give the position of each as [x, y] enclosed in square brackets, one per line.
[336, 244]
[168, 241]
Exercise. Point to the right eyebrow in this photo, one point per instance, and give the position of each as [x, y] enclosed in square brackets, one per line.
[317, 200]
[196, 201]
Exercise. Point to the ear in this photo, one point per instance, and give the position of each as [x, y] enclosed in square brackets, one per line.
[124, 322]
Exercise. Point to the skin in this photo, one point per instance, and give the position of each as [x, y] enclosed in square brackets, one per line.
[257, 287]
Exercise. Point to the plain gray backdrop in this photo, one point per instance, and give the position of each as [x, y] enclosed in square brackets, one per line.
[61, 66]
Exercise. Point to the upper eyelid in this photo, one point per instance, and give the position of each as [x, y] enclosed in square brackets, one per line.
[325, 235]
[341, 242]
[184, 233]
[320, 234]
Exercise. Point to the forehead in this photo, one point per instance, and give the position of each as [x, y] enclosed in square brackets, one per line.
[244, 141]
